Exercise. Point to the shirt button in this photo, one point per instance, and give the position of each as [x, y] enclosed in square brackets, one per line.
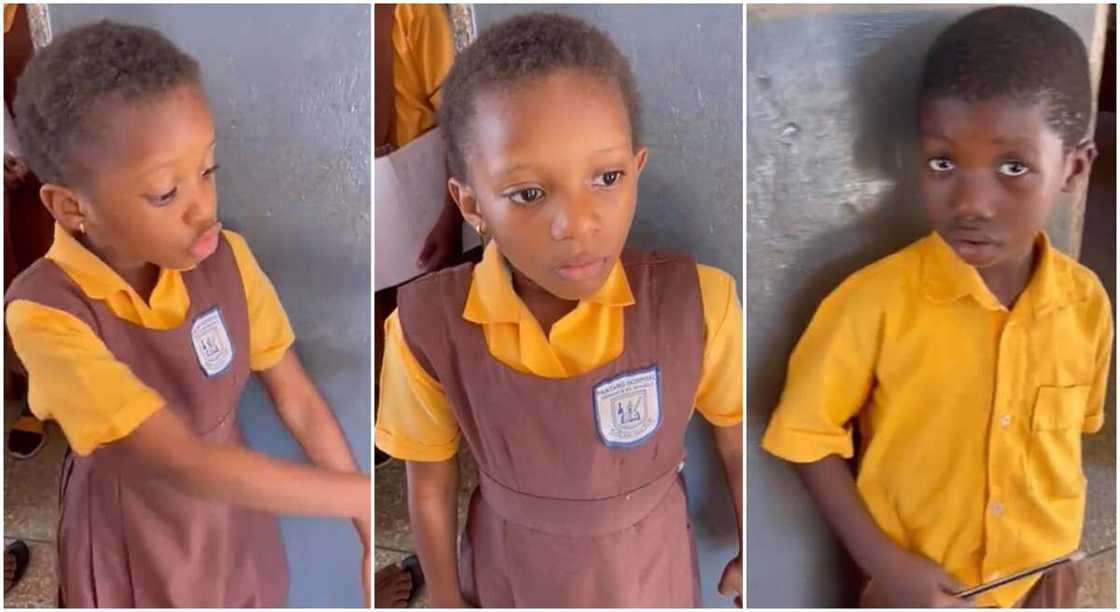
[1005, 421]
[997, 508]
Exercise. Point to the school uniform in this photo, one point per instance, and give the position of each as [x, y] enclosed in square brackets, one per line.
[100, 360]
[578, 436]
[970, 415]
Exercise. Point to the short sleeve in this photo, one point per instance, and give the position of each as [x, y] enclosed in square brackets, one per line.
[719, 397]
[830, 376]
[270, 332]
[75, 380]
[423, 54]
[414, 420]
[1094, 416]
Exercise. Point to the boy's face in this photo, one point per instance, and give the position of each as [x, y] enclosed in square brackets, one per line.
[553, 178]
[148, 195]
[992, 172]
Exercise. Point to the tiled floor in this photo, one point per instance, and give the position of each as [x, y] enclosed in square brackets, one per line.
[31, 513]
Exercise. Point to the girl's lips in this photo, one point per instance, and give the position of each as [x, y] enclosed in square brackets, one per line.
[582, 270]
[207, 243]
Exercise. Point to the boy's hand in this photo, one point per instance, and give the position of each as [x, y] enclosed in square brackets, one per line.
[913, 581]
[732, 581]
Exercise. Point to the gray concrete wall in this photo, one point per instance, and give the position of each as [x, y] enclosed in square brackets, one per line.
[688, 64]
[831, 186]
[289, 88]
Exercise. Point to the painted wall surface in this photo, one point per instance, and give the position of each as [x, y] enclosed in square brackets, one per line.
[688, 64]
[831, 186]
[289, 89]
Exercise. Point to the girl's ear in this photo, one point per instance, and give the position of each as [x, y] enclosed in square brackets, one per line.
[640, 158]
[65, 206]
[463, 195]
[1079, 162]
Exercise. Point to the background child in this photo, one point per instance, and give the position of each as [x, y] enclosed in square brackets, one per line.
[139, 330]
[570, 369]
[973, 359]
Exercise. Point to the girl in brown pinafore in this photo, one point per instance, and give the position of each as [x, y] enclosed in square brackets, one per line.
[139, 330]
[569, 367]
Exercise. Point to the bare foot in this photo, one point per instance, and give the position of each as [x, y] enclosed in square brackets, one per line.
[392, 586]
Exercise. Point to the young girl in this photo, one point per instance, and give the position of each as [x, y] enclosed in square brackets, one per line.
[139, 330]
[569, 367]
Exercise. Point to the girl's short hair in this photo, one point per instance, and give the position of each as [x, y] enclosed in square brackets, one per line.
[521, 48]
[64, 91]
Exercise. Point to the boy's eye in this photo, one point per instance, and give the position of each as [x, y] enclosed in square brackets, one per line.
[941, 164]
[211, 170]
[1013, 168]
[607, 179]
[526, 196]
[164, 199]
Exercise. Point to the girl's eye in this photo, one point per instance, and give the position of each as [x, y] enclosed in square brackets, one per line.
[1013, 168]
[607, 179]
[526, 196]
[164, 199]
[941, 164]
[211, 170]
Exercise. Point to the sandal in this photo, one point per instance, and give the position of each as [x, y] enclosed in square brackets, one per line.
[27, 437]
[16, 558]
[380, 458]
[411, 564]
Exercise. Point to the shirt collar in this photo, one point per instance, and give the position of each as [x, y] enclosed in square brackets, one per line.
[491, 298]
[945, 276]
[95, 278]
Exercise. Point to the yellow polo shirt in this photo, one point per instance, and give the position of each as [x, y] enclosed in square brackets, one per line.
[414, 420]
[970, 416]
[76, 381]
[423, 51]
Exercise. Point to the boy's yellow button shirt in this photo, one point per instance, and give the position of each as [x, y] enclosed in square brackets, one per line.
[970, 416]
[423, 50]
[415, 421]
[76, 381]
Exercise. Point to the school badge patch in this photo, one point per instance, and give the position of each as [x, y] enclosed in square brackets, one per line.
[628, 407]
[211, 342]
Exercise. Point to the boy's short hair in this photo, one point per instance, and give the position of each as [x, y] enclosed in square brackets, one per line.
[522, 48]
[63, 89]
[1023, 53]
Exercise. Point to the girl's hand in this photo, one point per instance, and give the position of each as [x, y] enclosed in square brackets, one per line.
[732, 581]
[366, 573]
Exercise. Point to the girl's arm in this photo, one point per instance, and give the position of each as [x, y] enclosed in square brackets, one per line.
[729, 445]
[900, 578]
[433, 507]
[235, 475]
[306, 415]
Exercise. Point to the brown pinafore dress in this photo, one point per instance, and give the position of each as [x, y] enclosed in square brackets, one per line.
[570, 511]
[127, 540]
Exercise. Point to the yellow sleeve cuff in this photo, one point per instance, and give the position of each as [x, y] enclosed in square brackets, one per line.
[805, 446]
[408, 450]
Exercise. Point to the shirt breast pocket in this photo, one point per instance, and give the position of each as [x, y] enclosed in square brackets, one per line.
[1054, 455]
